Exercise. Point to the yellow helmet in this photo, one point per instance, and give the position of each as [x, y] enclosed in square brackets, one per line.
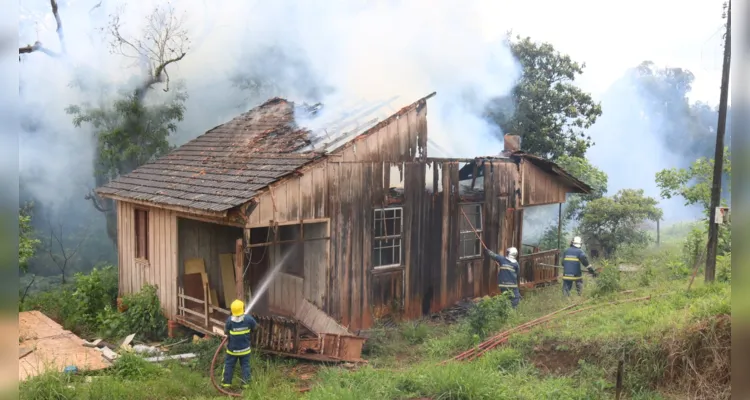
[238, 308]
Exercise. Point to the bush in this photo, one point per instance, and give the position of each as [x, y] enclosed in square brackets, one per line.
[694, 246]
[608, 281]
[415, 332]
[724, 268]
[142, 316]
[489, 314]
[94, 292]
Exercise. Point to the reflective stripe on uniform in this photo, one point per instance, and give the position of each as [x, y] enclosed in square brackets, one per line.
[241, 352]
[508, 268]
[572, 278]
[239, 331]
[571, 259]
[507, 285]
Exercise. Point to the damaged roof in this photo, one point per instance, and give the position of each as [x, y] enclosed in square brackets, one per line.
[228, 165]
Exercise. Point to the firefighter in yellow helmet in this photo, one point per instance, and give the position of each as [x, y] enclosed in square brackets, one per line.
[237, 329]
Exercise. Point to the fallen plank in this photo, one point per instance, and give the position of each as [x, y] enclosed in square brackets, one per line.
[186, 356]
[93, 344]
[126, 343]
[108, 354]
[23, 352]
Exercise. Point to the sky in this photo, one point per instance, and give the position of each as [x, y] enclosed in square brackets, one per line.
[614, 36]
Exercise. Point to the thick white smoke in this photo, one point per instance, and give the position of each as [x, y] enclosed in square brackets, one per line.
[333, 51]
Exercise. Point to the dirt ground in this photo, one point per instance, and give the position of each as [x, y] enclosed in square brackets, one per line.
[551, 360]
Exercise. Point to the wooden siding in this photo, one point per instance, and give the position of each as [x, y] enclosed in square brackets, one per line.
[161, 267]
[540, 187]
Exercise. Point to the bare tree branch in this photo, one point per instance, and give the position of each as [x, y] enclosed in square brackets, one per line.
[66, 256]
[37, 46]
[164, 42]
[95, 200]
[26, 291]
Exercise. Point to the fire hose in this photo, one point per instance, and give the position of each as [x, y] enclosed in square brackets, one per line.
[213, 368]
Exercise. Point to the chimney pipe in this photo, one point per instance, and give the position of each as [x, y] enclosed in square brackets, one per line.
[512, 143]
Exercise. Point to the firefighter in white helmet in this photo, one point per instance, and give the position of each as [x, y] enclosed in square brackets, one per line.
[507, 275]
[572, 260]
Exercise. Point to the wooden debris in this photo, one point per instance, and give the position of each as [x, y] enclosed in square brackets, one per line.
[93, 344]
[108, 354]
[126, 343]
[185, 356]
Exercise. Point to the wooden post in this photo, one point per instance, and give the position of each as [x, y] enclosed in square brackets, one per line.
[618, 387]
[713, 227]
[206, 294]
[658, 234]
[239, 262]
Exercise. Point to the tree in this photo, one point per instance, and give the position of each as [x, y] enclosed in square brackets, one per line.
[39, 47]
[132, 130]
[546, 108]
[693, 183]
[614, 221]
[27, 242]
[587, 173]
[58, 251]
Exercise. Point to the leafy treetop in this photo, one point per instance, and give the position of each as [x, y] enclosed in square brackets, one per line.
[693, 183]
[545, 108]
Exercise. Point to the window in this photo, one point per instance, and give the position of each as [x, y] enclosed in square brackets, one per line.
[141, 234]
[470, 244]
[386, 241]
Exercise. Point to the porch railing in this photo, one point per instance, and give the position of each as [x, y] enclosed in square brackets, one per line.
[535, 267]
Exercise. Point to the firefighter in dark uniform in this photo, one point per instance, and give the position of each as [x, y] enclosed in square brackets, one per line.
[507, 275]
[572, 260]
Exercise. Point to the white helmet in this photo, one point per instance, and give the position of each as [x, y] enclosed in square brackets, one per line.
[512, 253]
[576, 241]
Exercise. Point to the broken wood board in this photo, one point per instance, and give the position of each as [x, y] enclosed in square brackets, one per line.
[108, 354]
[126, 342]
[317, 321]
[226, 263]
[193, 286]
[53, 347]
[214, 298]
[195, 266]
[93, 344]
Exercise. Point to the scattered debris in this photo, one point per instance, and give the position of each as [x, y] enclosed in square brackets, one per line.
[459, 310]
[53, 347]
[108, 354]
[181, 357]
[70, 369]
[93, 344]
[126, 343]
[143, 349]
[166, 346]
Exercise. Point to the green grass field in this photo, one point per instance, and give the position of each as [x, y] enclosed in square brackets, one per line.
[574, 357]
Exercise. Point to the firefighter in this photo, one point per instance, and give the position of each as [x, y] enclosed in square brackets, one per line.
[238, 329]
[507, 275]
[573, 258]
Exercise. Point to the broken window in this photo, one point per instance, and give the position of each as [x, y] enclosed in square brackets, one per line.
[141, 234]
[386, 242]
[294, 263]
[470, 245]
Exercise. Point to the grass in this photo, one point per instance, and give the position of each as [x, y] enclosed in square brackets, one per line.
[660, 339]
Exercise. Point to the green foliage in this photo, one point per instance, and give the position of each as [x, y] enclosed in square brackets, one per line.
[587, 173]
[694, 246]
[724, 268]
[94, 292]
[608, 281]
[693, 183]
[489, 314]
[134, 367]
[415, 332]
[614, 221]
[143, 316]
[546, 108]
[130, 133]
[57, 304]
[27, 242]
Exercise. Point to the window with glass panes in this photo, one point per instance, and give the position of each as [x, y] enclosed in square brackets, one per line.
[386, 240]
[470, 245]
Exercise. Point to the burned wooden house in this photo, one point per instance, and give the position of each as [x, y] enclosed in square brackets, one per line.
[360, 220]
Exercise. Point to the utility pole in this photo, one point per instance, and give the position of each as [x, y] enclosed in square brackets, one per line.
[713, 227]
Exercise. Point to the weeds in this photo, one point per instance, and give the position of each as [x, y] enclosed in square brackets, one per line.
[608, 282]
[415, 332]
[489, 314]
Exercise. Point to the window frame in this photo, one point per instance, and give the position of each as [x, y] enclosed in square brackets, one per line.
[141, 254]
[379, 239]
[470, 233]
